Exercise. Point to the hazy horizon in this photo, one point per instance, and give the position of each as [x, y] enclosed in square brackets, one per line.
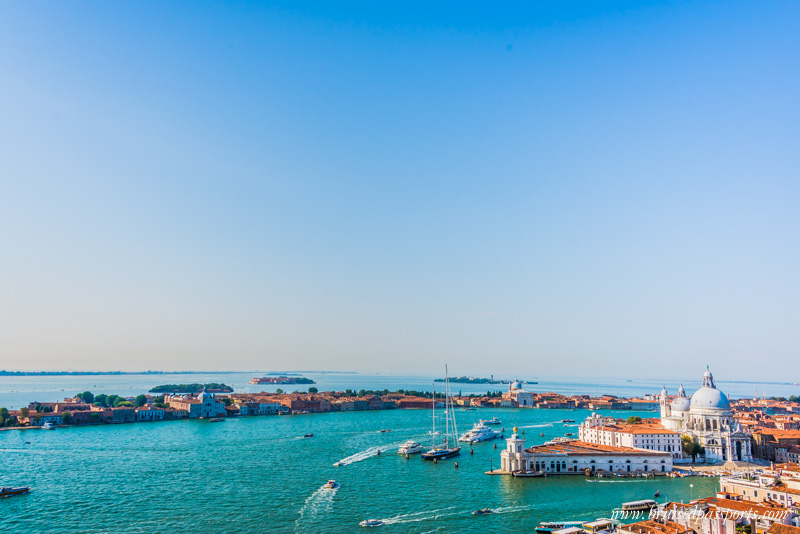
[590, 188]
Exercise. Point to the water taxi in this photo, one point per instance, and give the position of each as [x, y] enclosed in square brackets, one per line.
[8, 492]
[371, 523]
[483, 511]
[332, 485]
[547, 527]
[493, 421]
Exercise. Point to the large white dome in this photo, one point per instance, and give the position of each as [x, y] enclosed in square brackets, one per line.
[708, 397]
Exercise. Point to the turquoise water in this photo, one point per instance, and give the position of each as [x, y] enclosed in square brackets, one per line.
[257, 474]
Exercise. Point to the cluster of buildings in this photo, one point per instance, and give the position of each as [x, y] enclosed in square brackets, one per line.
[767, 502]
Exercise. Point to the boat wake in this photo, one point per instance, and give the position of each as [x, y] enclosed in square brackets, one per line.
[543, 425]
[621, 481]
[513, 509]
[416, 517]
[369, 453]
[321, 501]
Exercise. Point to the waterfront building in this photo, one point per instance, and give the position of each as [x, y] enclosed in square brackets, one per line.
[578, 457]
[205, 405]
[652, 526]
[149, 413]
[768, 487]
[708, 419]
[724, 513]
[775, 445]
[516, 393]
[38, 419]
[607, 431]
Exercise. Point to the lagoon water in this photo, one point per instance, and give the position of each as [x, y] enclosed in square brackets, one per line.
[257, 474]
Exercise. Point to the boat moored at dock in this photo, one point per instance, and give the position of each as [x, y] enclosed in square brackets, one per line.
[548, 527]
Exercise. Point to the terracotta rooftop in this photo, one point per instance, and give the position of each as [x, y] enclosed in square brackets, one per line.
[655, 527]
[582, 447]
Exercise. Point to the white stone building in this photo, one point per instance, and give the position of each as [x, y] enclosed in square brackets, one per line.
[524, 399]
[606, 431]
[708, 419]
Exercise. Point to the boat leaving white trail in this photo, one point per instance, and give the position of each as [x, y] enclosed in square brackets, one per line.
[368, 453]
[321, 501]
[416, 517]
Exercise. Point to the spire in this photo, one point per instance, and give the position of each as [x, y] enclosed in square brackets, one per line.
[681, 391]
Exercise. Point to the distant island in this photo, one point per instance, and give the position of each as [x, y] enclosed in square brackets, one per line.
[211, 387]
[475, 380]
[93, 373]
[282, 380]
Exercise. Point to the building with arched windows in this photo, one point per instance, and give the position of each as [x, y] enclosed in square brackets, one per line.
[707, 418]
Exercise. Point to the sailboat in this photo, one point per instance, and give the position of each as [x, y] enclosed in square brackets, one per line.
[448, 446]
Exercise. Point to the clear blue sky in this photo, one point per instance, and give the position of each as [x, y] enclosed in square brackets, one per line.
[541, 188]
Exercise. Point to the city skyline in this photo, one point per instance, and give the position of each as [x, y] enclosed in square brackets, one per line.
[547, 189]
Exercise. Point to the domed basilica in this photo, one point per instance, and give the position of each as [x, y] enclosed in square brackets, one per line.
[708, 419]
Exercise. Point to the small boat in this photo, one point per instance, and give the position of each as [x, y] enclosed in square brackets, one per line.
[216, 420]
[493, 421]
[550, 526]
[657, 493]
[569, 434]
[338, 464]
[470, 409]
[568, 420]
[527, 473]
[332, 484]
[308, 435]
[48, 426]
[410, 447]
[541, 435]
[483, 511]
[385, 430]
[371, 523]
[8, 492]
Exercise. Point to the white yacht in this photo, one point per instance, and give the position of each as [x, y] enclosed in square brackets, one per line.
[48, 426]
[410, 447]
[479, 432]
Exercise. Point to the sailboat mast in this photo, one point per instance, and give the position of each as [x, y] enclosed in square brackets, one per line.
[446, 406]
[433, 413]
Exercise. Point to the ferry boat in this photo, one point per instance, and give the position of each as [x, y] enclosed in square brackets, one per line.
[483, 511]
[410, 447]
[479, 432]
[599, 526]
[445, 448]
[639, 506]
[371, 523]
[8, 492]
[493, 421]
[48, 426]
[332, 485]
[547, 527]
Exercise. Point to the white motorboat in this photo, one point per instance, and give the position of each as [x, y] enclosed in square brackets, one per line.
[493, 421]
[48, 426]
[332, 484]
[371, 523]
[410, 447]
[479, 432]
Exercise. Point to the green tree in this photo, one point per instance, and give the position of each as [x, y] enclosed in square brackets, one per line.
[227, 401]
[101, 400]
[141, 400]
[313, 390]
[691, 448]
[123, 404]
[279, 391]
[633, 420]
[86, 397]
[66, 418]
[23, 412]
[112, 400]
[362, 392]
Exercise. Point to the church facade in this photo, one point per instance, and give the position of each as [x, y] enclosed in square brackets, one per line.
[707, 418]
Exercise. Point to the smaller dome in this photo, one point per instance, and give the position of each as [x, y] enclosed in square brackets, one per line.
[515, 429]
[516, 385]
[681, 404]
